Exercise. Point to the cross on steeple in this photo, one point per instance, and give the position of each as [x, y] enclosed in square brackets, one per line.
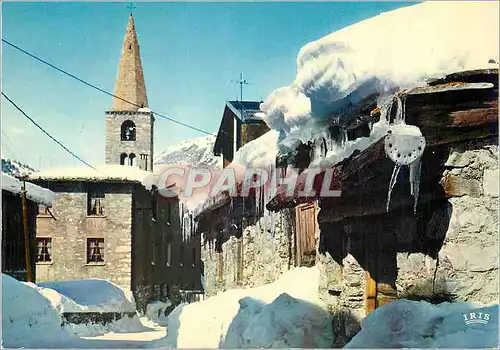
[131, 7]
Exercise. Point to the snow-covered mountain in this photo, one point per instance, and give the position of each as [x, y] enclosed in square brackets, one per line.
[197, 152]
[15, 168]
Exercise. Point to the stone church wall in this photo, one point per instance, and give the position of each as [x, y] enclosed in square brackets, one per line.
[144, 137]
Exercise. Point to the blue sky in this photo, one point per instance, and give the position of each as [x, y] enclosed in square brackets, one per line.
[190, 54]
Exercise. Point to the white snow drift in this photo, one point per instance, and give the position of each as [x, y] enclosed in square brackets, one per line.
[418, 324]
[398, 49]
[29, 320]
[283, 314]
[90, 295]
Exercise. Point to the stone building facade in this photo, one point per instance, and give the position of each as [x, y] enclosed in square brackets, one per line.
[134, 241]
[255, 258]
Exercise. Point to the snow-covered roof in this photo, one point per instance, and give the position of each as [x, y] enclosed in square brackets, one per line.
[245, 110]
[398, 49]
[34, 193]
[104, 173]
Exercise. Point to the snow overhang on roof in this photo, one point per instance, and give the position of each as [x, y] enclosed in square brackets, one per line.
[34, 192]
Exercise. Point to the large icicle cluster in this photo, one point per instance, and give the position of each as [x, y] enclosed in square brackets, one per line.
[404, 145]
[189, 226]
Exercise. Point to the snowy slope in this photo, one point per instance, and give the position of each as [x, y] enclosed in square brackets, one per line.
[198, 152]
[15, 168]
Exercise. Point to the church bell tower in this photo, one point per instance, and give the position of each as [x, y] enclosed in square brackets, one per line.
[129, 123]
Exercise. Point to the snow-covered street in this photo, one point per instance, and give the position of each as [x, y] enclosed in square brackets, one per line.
[140, 339]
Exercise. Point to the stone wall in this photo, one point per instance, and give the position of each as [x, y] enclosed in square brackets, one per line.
[264, 257]
[447, 251]
[144, 122]
[467, 265]
[136, 252]
[72, 226]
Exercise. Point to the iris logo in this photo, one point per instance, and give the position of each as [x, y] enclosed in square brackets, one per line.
[476, 318]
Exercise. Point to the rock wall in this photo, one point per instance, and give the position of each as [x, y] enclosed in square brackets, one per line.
[448, 251]
[467, 265]
[262, 260]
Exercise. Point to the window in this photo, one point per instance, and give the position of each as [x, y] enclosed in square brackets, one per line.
[43, 210]
[123, 159]
[128, 131]
[44, 250]
[193, 256]
[95, 250]
[169, 254]
[95, 202]
[144, 161]
[132, 161]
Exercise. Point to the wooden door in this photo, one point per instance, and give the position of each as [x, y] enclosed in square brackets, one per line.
[305, 217]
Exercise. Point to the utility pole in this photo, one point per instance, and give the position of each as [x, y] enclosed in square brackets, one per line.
[241, 82]
[29, 272]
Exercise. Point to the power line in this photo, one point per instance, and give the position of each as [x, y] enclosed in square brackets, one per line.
[46, 133]
[100, 89]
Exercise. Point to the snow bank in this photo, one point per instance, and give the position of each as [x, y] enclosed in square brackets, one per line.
[29, 320]
[394, 50]
[34, 193]
[91, 295]
[418, 324]
[156, 312]
[100, 173]
[282, 314]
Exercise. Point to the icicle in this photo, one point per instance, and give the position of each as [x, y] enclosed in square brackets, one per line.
[272, 193]
[257, 202]
[394, 178]
[415, 172]
[401, 110]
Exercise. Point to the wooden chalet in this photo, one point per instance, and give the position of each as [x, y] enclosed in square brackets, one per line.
[461, 108]
[241, 123]
[15, 216]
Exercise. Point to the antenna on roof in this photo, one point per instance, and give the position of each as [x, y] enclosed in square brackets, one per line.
[241, 82]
